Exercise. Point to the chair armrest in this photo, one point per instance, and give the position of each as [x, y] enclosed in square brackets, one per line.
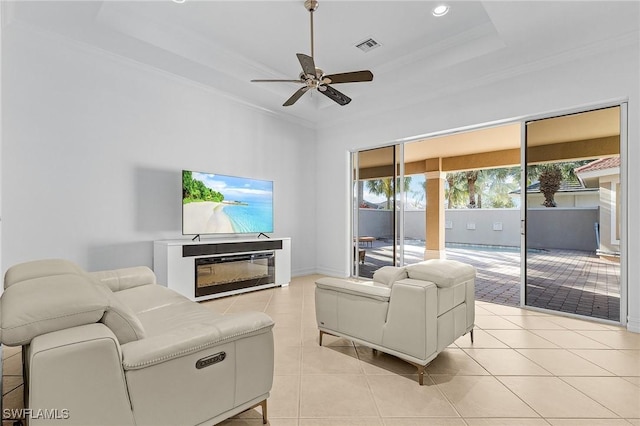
[175, 344]
[368, 289]
[124, 278]
[79, 369]
[411, 326]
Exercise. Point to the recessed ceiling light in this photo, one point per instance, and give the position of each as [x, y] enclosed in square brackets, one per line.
[179, 1]
[440, 10]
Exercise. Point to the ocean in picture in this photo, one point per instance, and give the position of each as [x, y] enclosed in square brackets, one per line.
[254, 217]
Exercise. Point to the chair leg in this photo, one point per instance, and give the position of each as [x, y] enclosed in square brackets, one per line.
[472, 335]
[320, 338]
[420, 374]
[263, 404]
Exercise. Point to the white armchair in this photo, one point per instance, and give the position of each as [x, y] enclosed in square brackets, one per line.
[412, 312]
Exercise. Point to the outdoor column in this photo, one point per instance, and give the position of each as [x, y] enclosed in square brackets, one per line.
[434, 240]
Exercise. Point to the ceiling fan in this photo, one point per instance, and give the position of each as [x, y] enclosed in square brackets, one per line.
[314, 78]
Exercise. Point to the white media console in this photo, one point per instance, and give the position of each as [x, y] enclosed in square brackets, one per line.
[212, 268]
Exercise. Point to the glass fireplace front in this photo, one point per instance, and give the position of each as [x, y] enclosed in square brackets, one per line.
[221, 274]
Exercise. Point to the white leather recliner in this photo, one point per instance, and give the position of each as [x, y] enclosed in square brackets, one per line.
[412, 312]
[115, 348]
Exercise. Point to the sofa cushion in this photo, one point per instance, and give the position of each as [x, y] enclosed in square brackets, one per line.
[443, 273]
[161, 310]
[124, 278]
[40, 268]
[387, 275]
[42, 305]
[150, 297]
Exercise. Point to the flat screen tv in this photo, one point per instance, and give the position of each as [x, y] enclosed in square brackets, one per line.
[220, 204]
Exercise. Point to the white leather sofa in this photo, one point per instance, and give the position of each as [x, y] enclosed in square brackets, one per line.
[115, 348]
[412, 312]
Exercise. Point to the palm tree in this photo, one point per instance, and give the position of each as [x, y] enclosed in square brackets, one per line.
[551, 175]
[497, 183]
[456, 192]
[386, 187]
[550, 180]
[472, 177]
[419, 195]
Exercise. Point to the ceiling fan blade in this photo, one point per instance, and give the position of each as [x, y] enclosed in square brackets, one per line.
[277, 81]
[307, 63]
[335, 95]
[348, 77]
[292, 100]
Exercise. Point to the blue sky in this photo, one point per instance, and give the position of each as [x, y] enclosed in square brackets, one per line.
[237, 188]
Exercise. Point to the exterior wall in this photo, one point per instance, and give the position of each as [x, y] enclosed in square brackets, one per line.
[496, 227]
[562, 228]
[549, 228]
[608, 240]
[588, 199]
[376, 223]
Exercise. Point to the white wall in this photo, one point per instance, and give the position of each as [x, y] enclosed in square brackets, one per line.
[93, 146]
[579, 82]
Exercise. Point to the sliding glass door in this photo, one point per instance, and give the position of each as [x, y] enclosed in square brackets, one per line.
[572, 214]
[376, 205]
[536, 206]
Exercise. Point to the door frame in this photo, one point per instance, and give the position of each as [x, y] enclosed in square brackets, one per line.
[623, 104]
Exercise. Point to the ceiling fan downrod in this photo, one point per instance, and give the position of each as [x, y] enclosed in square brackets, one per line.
[311, 6]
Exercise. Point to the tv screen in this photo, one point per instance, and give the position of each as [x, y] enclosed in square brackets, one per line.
[219, 204]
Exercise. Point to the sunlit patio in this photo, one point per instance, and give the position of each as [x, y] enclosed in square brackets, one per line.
[570, 281]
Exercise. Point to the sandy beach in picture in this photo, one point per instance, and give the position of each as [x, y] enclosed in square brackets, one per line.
[206, 217]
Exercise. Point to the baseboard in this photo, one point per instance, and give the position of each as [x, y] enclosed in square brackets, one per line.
[331, 272]
[633, 325]
[303, 272]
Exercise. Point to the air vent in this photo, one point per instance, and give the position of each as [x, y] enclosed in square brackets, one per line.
[368, 45]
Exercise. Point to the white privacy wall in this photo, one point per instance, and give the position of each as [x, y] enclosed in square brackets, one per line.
[576, 83]
[93, 146]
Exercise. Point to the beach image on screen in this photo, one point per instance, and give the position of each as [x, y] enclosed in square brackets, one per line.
[213, 204]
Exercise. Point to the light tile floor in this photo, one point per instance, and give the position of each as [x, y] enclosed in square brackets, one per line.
[524, 368]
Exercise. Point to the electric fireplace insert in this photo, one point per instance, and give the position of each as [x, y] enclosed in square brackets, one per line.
[220, 274]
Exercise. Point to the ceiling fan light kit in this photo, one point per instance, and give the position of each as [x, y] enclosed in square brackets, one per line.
[313, 77]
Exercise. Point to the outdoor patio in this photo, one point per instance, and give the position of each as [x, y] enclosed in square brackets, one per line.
[571, 281]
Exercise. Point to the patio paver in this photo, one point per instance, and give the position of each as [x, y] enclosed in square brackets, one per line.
[571, 281]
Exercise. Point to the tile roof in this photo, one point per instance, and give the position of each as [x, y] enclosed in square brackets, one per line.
[565, 186]
[600, 164]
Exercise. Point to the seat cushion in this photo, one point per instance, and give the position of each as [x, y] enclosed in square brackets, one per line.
[161, 310]
[149, 297]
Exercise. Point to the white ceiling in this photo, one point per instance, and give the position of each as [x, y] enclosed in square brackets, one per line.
[224, 44]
